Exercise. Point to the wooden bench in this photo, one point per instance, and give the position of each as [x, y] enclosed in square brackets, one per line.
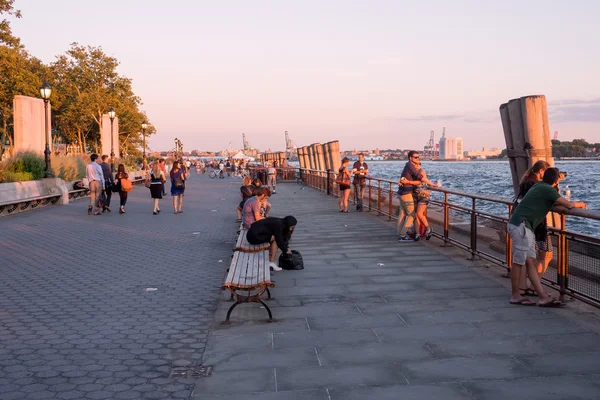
[243, 245]
[249, 272]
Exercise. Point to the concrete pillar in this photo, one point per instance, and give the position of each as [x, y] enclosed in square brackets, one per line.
[105, 136]
[29, 124]
[305, 157]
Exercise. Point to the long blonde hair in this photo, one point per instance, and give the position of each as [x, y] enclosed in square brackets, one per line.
[156, 171]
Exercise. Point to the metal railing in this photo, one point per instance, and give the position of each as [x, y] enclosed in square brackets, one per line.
[477, 224]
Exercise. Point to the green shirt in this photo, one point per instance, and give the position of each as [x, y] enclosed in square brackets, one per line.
[535, 205]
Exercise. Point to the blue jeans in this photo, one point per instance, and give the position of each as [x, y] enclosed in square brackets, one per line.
[359, 191]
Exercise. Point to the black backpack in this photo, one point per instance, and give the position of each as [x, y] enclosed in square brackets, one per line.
[291, 261]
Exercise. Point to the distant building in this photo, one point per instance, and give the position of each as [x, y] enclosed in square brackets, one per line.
[483, 153]
[451, 148]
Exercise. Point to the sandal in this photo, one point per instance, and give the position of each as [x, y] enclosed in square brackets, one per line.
[528, 292]
[553, 303]
[523, 302]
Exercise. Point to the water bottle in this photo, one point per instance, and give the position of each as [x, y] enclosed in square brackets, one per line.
[439, 183]
[567, 193]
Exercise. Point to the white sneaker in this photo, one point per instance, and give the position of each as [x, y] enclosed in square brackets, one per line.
[275, 267]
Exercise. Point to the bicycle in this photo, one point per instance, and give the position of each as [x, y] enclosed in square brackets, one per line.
[241, 173]
[213, 174]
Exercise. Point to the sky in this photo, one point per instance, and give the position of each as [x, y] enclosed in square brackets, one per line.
[371, 74]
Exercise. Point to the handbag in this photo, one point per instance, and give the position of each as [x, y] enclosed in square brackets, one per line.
[343, 179]
[126, 185]
[291, 261]
[147, 182]
[178, 182]
[101, 200]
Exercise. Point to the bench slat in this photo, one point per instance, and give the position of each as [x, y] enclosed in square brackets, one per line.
[242, 244]
[264, 264]
[232, 269]
[238, 270]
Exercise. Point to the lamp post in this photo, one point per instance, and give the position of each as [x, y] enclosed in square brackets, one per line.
[111, 115]
[45, 92]
[144, 126]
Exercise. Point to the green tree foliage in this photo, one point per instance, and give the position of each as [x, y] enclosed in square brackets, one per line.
[6, 36]
[87, 85]
[20, 74]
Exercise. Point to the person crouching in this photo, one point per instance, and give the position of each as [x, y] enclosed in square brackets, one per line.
[277, 232]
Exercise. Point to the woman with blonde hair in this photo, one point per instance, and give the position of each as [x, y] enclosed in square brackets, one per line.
[157, 177]
[343, 181]
[177, 186]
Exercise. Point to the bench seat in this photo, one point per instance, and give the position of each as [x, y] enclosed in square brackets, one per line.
[249, 272]
[243, 245]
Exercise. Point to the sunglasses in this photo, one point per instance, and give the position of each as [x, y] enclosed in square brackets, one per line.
[417, 157]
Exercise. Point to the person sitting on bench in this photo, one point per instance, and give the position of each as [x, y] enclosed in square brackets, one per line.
[276, 231]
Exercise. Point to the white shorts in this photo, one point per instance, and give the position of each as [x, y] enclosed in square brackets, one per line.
[523, 243]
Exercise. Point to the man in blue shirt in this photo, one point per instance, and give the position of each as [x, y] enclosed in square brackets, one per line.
[409, 181]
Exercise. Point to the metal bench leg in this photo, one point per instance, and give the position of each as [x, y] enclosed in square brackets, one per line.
[267, 308]
[234, 305]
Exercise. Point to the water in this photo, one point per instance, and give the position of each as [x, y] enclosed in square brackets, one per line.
[493, 178]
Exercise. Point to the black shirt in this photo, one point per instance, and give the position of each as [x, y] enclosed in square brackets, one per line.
[360, 179]
[271, 226]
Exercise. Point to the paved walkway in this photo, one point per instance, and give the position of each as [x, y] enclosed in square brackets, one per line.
[76, 321]
[370, 318]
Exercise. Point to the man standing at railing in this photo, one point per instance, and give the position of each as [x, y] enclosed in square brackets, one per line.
[272, 177]
[409, 180]
[530, 212]
[360, 170]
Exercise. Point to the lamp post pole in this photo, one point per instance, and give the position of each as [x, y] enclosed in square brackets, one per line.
[144, 162]
[111, 115]
[45, 91]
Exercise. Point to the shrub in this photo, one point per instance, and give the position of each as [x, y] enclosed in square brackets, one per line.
[8, 176]
[33, 163]
[24, 164]
[69, 168]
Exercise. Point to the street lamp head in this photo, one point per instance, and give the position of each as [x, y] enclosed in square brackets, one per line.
[144, 125]
[111, 113]
[45, 91]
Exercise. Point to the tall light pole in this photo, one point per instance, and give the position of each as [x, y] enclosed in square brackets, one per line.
[111, 115]
[45, 92]
[144, 126]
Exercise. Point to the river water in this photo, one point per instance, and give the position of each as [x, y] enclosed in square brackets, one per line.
[493, 178]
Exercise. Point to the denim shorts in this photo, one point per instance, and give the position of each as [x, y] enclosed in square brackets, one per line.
[523, 243]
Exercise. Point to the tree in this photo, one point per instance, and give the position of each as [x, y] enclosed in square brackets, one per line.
[6, 36]
[20, 74]
[89, 85]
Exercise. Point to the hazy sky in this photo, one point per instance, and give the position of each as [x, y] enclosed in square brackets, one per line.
[368, 73]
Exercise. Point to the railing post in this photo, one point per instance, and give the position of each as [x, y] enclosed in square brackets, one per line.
[328, 182]
[446, 221]
[370, 207]
[508, 243]
[473, 232]
[378, 197]
[391, 197]
[562, 257]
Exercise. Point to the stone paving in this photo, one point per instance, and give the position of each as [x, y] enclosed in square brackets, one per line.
[75, 319]
[368, 318]
[371, 318]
